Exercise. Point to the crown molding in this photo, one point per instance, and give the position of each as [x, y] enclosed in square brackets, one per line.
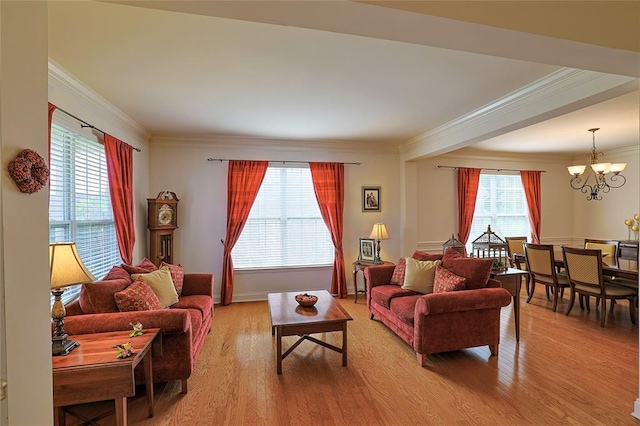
[476, 154]
[538, 101]
[272, 144]
[61, 82]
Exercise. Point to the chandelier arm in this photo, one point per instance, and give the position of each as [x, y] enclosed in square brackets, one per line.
[614, 181]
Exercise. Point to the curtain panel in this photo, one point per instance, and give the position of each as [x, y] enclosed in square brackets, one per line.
[243, 182]
[328, 185]
[468, 181]
[120, 172]
[533, 194]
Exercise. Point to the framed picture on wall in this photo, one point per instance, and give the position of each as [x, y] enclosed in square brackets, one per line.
[370, 198]
[367, 250]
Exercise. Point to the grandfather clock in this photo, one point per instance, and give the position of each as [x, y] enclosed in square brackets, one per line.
[162, 221]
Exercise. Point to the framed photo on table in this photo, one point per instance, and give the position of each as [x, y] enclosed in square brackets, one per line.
[370, 198]
[367, 250]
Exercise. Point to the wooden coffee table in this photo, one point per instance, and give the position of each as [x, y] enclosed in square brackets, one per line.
[290, 319]
[91, 372]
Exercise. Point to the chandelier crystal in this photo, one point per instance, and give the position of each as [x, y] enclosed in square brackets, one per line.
[605, 175]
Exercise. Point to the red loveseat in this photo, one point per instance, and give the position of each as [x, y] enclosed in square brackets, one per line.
[440, 322]
[184, 325]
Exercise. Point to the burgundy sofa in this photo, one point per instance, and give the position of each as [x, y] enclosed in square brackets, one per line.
[184, 326]
[440, 322]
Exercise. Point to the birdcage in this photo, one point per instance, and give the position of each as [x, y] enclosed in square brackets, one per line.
[490, 245]
[454, 244]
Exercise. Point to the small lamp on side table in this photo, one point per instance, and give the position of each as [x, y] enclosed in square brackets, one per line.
[379, 232]
[65, 269]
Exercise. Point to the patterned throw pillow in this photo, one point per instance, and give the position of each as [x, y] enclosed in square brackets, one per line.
[446, 281]
[475, 270]
[398, 272]
[162, 285]
[137, 297]
[177, 275]
[145, 266]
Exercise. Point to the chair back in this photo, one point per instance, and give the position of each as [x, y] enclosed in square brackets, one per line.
[584, 268]
[540, 262]
[515, 246]
[608, 248]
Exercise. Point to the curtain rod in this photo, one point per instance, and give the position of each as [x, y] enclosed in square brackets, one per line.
[485, 168]
[283, 162]
[90, 126]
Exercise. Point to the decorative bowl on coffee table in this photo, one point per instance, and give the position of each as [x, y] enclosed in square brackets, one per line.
[306, 300]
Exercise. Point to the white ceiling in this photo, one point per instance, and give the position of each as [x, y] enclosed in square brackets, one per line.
[186, 74]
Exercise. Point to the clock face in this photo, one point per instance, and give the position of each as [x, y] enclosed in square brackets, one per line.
[165, 214]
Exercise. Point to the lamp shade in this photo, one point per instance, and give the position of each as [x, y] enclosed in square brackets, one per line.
[379, 232]
[576, 170]
[66, 267]
[617, 167]
[601, 168]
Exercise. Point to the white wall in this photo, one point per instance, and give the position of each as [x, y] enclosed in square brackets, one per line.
[182, 167]
[24, 267]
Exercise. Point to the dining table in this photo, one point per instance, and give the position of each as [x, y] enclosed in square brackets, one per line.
[621, 268]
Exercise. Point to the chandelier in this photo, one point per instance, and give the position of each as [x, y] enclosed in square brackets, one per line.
[605, 175]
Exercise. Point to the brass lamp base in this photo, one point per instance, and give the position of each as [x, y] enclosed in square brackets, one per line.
[61, 346]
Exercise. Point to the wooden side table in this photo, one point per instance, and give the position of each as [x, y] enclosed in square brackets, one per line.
[91, 372]
[359, 266]
[511, 280]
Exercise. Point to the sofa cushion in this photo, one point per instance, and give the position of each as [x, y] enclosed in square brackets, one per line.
[162, 285]
[421, 255]
[97, 297]
[404, 307]
[118, 272]
[420, 274]
[177, 275]
[398, 272]
[446, 281]
[197, 301]
[145, 266]
[382, 294]
[137, 297]
[475, 270]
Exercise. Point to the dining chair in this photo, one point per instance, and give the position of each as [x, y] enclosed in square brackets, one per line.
[584, 270]
[515, 246]
[541, 266]
[608, 248]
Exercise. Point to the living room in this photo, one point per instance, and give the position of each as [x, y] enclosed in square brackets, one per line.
[179, 163]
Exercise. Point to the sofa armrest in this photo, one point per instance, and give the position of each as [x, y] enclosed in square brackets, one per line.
[170, 321]
[464, 300]
[493, 283]
[198, 284]
[378, 275]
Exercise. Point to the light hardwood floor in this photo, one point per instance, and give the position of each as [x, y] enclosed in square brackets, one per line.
[565, 370]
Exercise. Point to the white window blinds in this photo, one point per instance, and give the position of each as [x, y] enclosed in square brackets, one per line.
[79, 201]
[285, 227]
[501, 203]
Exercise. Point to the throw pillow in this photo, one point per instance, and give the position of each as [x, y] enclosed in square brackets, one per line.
[177, 275]
[161, 284]
[97, 297]
[475, 270]
[143, 267]
[420, 255]
[419, 275]
[446, 280]
[398, 272]
[137, 297]
[117, 273]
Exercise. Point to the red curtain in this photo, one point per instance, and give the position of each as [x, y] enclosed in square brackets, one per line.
[52, 108]
[532, 190]
[328, 184]
[468, 181]
[243, 182]
[120, 172]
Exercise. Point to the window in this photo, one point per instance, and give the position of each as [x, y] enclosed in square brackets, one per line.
[79, 201]
[285, 227]
[501, 203]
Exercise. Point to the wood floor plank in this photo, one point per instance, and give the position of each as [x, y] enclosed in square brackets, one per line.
[565, 370]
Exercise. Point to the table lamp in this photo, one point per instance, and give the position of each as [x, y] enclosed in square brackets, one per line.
[65, 269]
[379, 232]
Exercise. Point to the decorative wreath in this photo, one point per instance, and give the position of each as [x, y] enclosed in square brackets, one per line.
[29, 171]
